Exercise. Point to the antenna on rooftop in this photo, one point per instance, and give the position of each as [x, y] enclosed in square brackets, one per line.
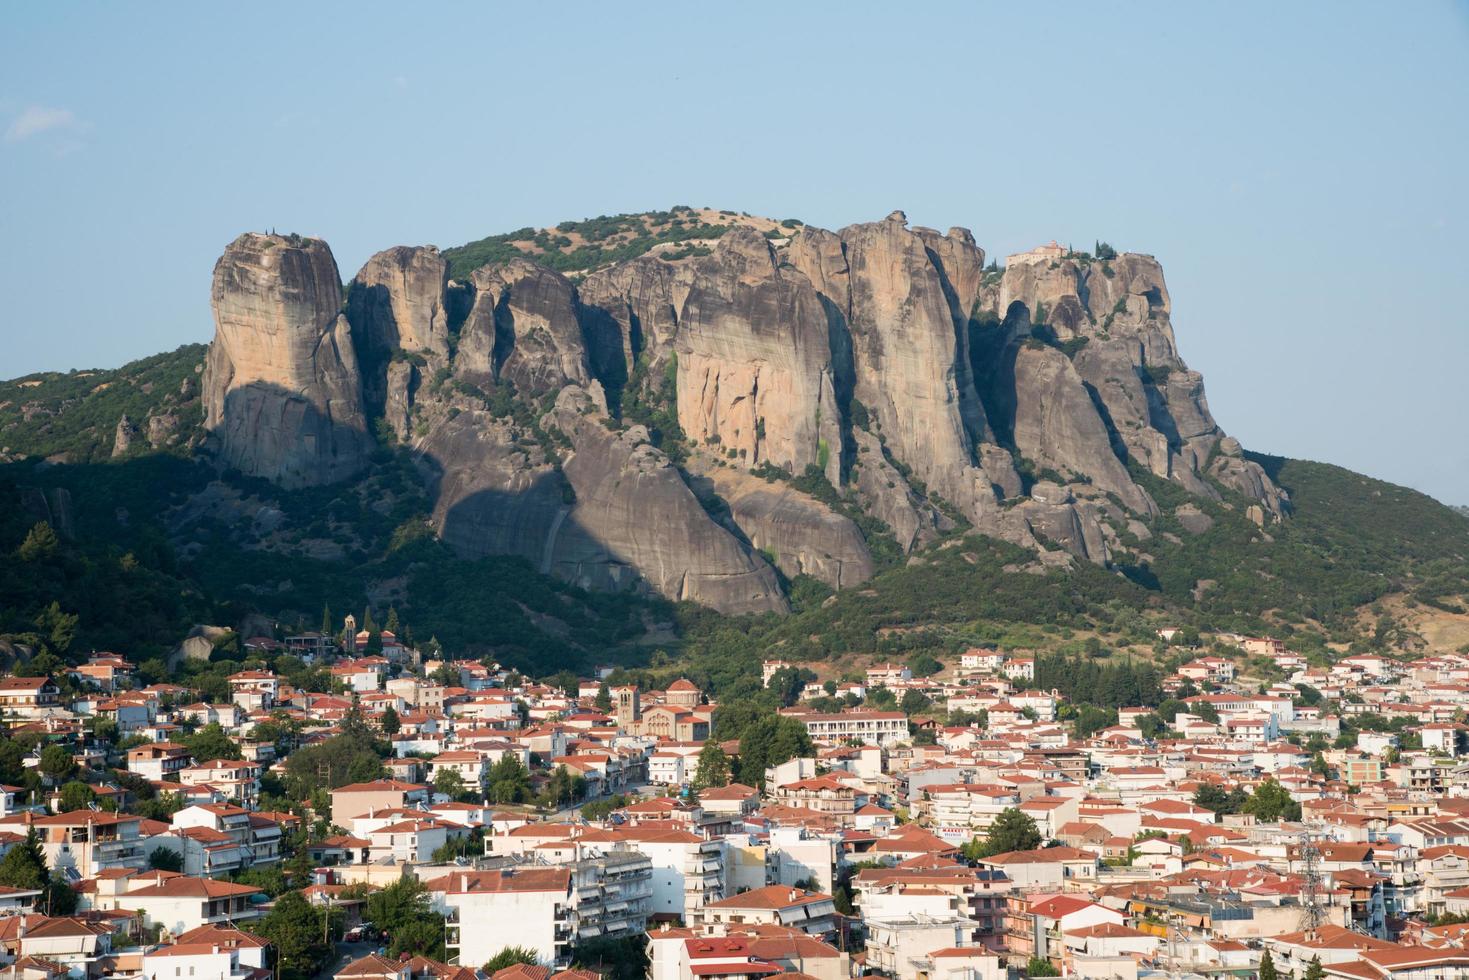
[1312, 914]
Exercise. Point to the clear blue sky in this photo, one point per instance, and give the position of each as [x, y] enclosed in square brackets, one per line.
[1299, 168]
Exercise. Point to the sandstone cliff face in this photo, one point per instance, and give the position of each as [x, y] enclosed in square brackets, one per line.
[754, 362]
[1115, 316]
[884, 355]
[282, 393]
[635, 519]
[911, 361]
[397, 302]
[493, 494]
[1057, 426]
[803, 535]
[524, 329]
[397, 306]
[642, 299]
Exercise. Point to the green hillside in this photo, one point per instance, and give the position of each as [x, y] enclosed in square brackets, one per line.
[76, 413]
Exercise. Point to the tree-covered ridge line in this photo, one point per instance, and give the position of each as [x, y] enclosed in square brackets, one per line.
[578, 246]
[74, 415]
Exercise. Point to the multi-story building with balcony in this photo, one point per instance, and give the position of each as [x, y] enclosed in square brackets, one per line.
[863, 727]
[823, 794]
[218, 838]
[813, 913]
[254, 690]
[899, 946]
[158, 761]
[486, 911]
[975, 894]
[957, 811]
[83, 843]
[28, 697]
[180, 903]
[612, 893]
[235, 779]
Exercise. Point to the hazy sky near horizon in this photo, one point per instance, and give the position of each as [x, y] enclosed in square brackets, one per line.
[1301, 169]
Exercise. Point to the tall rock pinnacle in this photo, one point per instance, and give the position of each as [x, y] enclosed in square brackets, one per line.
[283, 395]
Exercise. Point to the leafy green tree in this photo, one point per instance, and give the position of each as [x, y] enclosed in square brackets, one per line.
[390, 722]
[1267, 969]
[510, 956]
[603, 700]
[449, 782]
[1091, 719]
[769, 742]
[212, 742]
[103, 729]
[163, 859]
[1271, 802]
[58, 628]
[565, 787]
[1212, 797]
[913, 702]
[59, 898]
[924, 664]
[599, 809]
[294, 928]
[1314, 969]
[1011, 831]
[1039, 966]
[24, 865]
[882, 699]
[57, 763]
[509, 781]
[713, 768]
[787, 684]
[269, 878]
[40, 543]
[466, 845]
[402, 910]
[1206, 711]
[354, 756]
[614, 959]
[76, 795]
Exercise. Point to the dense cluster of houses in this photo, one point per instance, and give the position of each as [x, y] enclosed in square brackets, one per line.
[867, 856]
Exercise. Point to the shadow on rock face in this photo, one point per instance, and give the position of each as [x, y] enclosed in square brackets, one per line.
[266, 431]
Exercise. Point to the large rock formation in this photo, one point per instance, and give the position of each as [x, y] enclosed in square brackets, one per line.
[928, 391]
[800, 534]
[283, 394]
[397, 302]
[754, 361]
[524, 330]
[1057, 426]
[398, 306]
[911, 360]
[612, 515]
[1113, 317]
[635, 518]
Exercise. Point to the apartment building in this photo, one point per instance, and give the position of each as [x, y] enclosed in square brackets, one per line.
[862, 727]
[486, 911]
